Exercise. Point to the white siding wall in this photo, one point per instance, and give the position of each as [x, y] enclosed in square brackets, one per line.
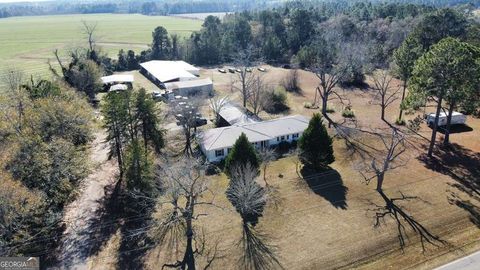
[210, 155]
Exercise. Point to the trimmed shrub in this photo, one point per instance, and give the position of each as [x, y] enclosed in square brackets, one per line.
[315, 145]
[242, 153]
[348, 113]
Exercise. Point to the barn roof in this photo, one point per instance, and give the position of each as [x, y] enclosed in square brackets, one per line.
[188, 84]
[166, 71]
[118, 78]
[220, 138]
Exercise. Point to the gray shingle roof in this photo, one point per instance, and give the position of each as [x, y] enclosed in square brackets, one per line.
[220, 138]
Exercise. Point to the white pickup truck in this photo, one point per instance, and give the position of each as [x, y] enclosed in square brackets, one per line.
[457, 119]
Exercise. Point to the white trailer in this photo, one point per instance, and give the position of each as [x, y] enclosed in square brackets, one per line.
[457, 119]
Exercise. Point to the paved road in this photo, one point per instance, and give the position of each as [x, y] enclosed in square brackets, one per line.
[471, 262]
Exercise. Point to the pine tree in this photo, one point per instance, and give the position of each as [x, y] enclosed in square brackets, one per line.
[148, 121]
[241, 154]
[316, 148]
[115, 114]
[139, 169]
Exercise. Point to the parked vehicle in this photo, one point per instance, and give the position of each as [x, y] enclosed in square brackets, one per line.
[156, 95]
[286, 66]
[221, 70]
[457, 119]
[231, 70]
[262, 69]
[199, 121]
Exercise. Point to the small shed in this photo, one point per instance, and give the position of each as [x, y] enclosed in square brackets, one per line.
[231, 115]
[117, 82]
[118, 87]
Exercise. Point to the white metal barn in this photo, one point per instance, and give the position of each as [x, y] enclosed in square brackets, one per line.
[161, 72]
[191, 87]
[216, 143]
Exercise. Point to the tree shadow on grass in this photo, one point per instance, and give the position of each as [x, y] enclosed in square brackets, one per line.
[463, 165]
[404, 220]
[135, 239]
[88, 236]
[456, 129]
[327, 184]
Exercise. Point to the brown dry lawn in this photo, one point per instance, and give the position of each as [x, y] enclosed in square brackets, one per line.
[329, 223]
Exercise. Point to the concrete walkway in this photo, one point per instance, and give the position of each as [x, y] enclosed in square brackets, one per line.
[471, 262]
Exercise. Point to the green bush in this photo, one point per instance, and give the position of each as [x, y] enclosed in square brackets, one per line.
[316, 149]
[309, 105]
[330, 110]
[278, 101]
[348, 113]
[242, 153]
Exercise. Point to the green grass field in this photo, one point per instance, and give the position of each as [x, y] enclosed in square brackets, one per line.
[28, 42]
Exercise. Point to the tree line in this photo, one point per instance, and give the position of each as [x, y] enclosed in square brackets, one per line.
[155, 7]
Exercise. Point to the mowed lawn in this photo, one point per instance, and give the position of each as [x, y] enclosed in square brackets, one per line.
[28, 42]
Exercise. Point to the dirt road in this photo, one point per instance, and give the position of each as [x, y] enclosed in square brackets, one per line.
[80, 215]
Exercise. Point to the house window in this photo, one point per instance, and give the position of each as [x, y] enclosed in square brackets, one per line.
[295, 136]
[288, 137]
[278, 139]
[283, 138]
[219, 153]
[228, 150]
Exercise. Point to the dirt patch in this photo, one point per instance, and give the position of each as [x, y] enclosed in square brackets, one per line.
[80, 215]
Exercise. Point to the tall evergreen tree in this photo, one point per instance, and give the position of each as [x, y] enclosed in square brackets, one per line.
[139, 168]
[148, 121]
[316, 145]
[404, 58]
[115, 113]
[241, 154]
[161, 45]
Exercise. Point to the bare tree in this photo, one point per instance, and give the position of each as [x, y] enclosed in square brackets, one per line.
[185, 185]
[333, 61]
[385, 159]
[267, 155]
[217, 104]
[16, 98]
[244, 76]
[90, 29]
[388, 158]
[330, 71]
[187, 115]
[384, 95]
[249, 199]
[290, 82]
[257, 99]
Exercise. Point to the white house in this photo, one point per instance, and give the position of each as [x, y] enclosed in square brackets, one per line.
[161, 72]
[216, 143]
